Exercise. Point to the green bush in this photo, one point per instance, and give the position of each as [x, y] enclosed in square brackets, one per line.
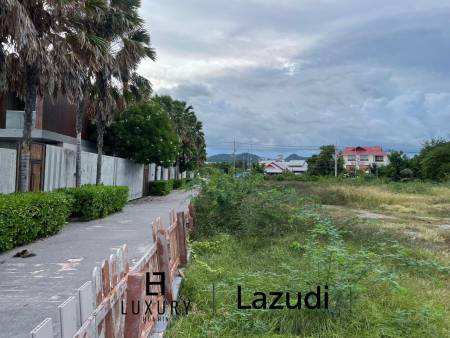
[180, 183]
[25, 217]
[93, 202]
[245, 206]
[161, 188]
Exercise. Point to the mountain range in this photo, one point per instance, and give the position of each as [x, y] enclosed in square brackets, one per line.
[219, 158]
[295, 157]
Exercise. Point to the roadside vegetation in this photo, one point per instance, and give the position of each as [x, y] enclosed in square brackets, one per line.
[92, 202]
[25, 217]
[292, 236]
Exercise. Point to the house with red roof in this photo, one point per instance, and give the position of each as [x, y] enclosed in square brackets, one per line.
[362, 157]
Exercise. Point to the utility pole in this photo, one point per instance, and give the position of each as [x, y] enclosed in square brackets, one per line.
[335, 160]
[234, 155]
[250, 155]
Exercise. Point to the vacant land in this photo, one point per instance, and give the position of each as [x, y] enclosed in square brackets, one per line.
[415, 212]
[382, 250]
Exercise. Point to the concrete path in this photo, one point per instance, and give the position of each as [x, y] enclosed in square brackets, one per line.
[32, 288]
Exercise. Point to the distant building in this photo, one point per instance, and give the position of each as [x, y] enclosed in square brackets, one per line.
[275, 167]
[362, 158]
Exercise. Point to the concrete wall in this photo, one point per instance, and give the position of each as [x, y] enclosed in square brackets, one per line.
[130, 174]
[59, 168]
[151, 172]
[172, 173]
[7, 170]
[60, 171]
[159, 173]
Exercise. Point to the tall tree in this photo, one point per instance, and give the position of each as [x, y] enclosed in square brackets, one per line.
[398, 161]
[435, 160]
[90, 51]
[143, 133]
[16, 32]
[128, 43]
[323, 163]
[192, 146]
[37, 54]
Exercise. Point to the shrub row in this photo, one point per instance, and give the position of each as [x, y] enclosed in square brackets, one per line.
[91, 202]
[25, 217]
[180, 183]
[160, 188]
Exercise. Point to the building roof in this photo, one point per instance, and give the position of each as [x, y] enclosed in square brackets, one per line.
[280, 166]
[296, 163]
[273, 168]
[377, 151]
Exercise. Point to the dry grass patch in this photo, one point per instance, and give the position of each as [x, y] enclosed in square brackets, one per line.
[424, 199]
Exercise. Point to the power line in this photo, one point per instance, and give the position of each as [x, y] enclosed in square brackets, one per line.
[262, 146]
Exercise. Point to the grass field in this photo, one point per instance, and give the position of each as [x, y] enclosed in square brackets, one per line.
[414, 211]
[378, 248]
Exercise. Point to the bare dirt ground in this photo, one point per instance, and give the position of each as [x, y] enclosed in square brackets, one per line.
[432, 233]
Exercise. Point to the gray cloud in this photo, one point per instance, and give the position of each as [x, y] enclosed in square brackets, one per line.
[188, 91]
[306, 72]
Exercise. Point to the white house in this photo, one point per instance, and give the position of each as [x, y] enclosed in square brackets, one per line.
[274, 167]
[363, 157]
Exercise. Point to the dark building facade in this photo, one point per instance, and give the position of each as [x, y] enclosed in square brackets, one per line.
[53, 122]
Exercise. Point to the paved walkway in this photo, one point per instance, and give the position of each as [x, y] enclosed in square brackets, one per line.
[32, 288]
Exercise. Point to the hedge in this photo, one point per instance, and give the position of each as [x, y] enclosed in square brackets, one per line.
[93, 201]
[25, 217]
[180, 183]
[160, 188]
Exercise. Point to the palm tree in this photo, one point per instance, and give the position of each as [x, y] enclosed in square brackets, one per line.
[16, 31]
[90, 50]
[31, 69]
[128, 43]
[39, 59]
[189, 130]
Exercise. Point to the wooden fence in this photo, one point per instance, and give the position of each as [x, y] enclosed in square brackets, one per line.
[95, 310]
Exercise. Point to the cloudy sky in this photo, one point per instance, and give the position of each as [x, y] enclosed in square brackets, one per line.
[303, 73]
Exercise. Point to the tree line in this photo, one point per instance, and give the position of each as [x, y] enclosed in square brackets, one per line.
[158, 130]
[87, 51]
[431, 163]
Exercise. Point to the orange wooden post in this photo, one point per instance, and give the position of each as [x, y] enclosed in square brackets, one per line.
[126, 262]
[192, 219]
[135, 294]
[155, 226]
[182, 238]
[162, 250]
[106, 284]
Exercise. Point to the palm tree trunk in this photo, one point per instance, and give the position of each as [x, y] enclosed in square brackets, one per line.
[2, 70]
[30, 104]
[79, 128]
[100, 133]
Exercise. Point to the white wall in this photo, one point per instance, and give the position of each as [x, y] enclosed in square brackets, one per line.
[60, 171]
[7, 170]
[151, 172]
[132, 175]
